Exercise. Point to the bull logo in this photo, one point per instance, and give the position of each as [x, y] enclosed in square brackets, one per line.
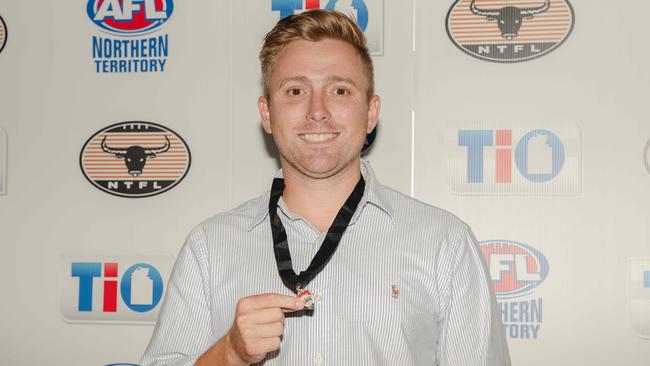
[524, 29]
[3, 34]
[509, 18]
[135, 159]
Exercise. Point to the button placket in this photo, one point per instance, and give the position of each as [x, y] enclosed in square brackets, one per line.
[318, 359]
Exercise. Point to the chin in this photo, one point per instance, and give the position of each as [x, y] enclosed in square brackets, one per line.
[323, 168]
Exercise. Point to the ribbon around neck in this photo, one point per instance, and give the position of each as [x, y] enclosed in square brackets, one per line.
[332, 239]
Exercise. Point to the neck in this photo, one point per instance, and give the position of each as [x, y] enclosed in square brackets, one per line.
[319, 200]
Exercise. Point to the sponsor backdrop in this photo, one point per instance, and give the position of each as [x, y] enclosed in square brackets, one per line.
[124, 123]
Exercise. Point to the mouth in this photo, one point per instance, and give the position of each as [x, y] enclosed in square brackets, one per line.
[318, 137]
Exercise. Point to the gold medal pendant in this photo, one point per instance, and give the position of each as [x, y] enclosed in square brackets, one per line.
[307, 296]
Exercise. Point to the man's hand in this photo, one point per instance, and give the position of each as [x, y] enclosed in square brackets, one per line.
[258, 326]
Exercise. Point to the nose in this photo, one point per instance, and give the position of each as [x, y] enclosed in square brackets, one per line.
[318, 110]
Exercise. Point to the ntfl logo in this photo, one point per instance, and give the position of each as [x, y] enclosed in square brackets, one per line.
[514, 160]
[360, 10]
[135, 159]
[3, 34]
[516, 269]
[113, 290]
[129, 17]
[509, 30]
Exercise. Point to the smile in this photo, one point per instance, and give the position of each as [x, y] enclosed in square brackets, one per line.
[318, 137]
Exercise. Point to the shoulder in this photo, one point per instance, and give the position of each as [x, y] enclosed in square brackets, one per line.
[240, 218]
[415, 213]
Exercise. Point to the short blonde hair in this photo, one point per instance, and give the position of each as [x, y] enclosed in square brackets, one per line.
[314, 25]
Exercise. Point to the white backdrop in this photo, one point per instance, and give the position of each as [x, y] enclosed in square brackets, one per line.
[592, 91]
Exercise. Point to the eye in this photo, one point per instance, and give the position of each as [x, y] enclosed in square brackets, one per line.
[294, 92]
[341, 91]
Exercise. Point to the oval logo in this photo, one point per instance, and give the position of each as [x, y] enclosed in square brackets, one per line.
[516, 269]
[3, 34]
[509, 30]
[135, 159]
[129, 17]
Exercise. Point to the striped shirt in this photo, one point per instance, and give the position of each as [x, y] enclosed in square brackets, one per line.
[406, 286]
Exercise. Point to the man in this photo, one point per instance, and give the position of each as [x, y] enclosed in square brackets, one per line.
[392, 281]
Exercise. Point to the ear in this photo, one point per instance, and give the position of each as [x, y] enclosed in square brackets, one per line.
[265, 115]
[374, 106]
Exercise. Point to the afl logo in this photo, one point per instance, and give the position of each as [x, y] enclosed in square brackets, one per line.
[129, 17]
[135, 159]
[509, 30]
[3, 34]
[515, 268]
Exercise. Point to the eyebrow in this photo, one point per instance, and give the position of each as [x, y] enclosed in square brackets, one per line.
[303, 79]
[341, 79]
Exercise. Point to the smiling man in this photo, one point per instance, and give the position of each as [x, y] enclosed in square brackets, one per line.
[329, 267]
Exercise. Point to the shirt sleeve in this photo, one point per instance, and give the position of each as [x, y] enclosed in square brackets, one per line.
[471, 329]
[182, 333]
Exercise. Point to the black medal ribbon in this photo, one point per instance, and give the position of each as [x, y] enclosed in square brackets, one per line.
[332, 239]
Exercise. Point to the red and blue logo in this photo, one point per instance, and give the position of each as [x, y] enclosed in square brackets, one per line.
[357, 8]
[129, 17]
[516, 268]
[113, 289]
[86, 273]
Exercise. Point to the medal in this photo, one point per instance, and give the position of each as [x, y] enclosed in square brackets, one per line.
[306, 296]
[293, 281]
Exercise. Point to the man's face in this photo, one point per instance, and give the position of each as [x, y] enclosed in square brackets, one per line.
[319, 112]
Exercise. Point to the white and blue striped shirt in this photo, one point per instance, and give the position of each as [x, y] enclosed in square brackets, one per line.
[406, 286]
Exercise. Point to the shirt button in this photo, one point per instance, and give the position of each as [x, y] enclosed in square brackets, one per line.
[318, 359]
[318, 297]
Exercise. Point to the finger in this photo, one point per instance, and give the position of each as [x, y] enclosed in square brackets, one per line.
[270, 330]
[267, 345]
[265, 316]
[250, 303]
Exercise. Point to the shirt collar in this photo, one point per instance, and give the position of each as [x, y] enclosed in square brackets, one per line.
[374, 194]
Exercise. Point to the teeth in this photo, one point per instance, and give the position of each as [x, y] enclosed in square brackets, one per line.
[318, 137]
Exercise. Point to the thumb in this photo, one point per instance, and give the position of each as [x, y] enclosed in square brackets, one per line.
[297, 305]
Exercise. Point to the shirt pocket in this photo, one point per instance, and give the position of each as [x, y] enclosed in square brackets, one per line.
[375, 304]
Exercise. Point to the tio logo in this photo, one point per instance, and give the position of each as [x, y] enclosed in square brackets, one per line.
[141, 286]
[638, 288]
[486, 159]
[538, 156]
[357, 8]
[113, 289]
